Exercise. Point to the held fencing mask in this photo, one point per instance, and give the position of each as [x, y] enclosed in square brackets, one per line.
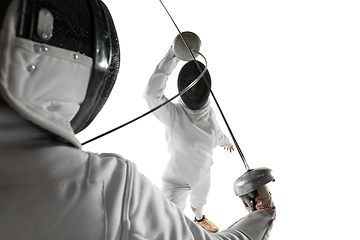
[82, 28]
[198, 95]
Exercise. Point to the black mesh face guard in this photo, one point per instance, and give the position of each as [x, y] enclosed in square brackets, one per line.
[198, 95]
[86, 27]
[73, 28]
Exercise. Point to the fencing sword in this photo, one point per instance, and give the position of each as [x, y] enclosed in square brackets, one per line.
[252, 179]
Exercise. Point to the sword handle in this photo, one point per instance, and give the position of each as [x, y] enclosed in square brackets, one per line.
[253, 202]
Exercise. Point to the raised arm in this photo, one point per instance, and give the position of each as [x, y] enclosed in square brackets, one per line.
[154, 91]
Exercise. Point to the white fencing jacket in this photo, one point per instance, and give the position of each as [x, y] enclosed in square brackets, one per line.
[50, 190]
[191, 134]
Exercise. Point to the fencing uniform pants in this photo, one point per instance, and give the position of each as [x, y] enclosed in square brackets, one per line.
[177, 190]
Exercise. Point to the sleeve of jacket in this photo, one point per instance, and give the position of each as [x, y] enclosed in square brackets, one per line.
[154, 96]
[149, 215]
[223, 141]
[255, 226]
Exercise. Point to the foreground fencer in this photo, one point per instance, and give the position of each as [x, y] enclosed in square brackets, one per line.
[56, 72]
[192, 132]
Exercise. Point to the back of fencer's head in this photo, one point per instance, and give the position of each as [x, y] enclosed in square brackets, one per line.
[198, 95]
[59, 61]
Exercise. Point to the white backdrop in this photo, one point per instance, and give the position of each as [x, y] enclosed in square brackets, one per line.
[286, 75]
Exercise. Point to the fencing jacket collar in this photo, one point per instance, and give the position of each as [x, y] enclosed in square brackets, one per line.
[198, 114]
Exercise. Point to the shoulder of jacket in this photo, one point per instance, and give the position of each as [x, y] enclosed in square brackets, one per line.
[108, 156]
[112, 155]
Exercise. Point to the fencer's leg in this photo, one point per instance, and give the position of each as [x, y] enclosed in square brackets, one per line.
[198, 211]
[198, 195]
[175, 192]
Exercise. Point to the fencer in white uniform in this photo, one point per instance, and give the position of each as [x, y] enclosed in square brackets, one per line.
[192, 132]
[49, 187]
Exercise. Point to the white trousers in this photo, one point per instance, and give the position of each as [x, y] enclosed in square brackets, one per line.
[177, 190]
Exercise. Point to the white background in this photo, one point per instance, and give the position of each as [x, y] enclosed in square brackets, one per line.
[286, 75]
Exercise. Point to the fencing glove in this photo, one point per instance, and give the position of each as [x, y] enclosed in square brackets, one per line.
[258, 200]
[169, 62]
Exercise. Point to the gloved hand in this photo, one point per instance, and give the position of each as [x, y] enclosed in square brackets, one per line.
[262, 200]
[169, 62]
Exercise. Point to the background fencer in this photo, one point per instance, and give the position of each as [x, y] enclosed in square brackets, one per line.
[192, 132]
[58, 63]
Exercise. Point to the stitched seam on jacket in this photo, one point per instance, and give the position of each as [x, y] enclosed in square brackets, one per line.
[126, 200]
[105, 212]
[89, 164]
[88, 175]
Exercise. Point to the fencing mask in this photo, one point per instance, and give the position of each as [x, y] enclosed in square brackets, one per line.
[198, 95]
[55, 30]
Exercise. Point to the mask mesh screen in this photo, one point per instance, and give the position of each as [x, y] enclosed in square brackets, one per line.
[67, 35]
[198, 95]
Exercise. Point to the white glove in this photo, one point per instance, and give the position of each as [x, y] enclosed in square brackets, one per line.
[169, 62]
